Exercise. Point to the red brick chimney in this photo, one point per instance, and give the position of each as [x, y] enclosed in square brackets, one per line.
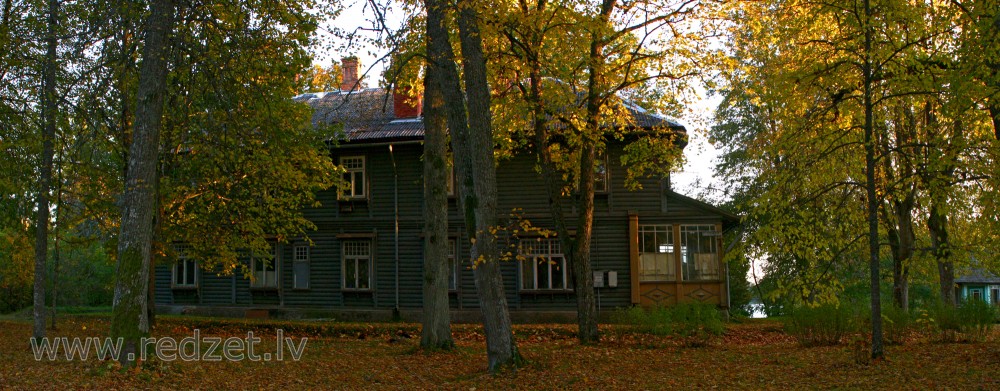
[404, 105]
[350, 67]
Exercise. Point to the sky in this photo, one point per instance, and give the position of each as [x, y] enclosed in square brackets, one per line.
[693, 179]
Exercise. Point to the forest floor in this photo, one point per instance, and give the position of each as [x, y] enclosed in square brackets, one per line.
[754, 354]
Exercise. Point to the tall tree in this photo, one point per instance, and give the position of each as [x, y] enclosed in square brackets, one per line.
[436, 332]
[472, 144]
[49, 103]
[129, 320]
[578, 82]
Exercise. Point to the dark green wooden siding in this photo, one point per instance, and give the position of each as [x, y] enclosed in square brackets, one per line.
[519, 186]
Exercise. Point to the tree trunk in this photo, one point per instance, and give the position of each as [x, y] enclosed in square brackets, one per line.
[906, 242]
[476, 174]
[55, 250]
[583, 277]
[129, 321]
[501, 348]
[45, 171]
[937, 227]
[436, 332]
[868, 71]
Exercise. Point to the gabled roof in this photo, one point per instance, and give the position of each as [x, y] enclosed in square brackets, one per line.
[978, 276]
[368, 116]
[729, 220]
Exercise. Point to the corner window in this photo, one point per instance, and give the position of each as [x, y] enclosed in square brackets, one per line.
[699, 252]
[185, 270]
[300, 267]
[265, 269]
[354, 176]
[357, 264]
[544, 266]
[656, 253]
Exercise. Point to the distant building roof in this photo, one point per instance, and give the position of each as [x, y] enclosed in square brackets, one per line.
[978, 276]
[368, 116]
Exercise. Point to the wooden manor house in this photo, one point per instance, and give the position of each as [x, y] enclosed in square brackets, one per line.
[650, 246]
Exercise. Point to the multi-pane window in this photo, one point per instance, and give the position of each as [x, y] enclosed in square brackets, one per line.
[357, 258]
[452, 265]
[354, 176]
[300, 267]
[265, 269]
[699, 252]
[656, 253]
[601, 174]
[544, 266]
[185, 269]
[995, 296]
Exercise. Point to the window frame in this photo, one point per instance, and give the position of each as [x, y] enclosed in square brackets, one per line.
[453, 264]
[296, 261]
[356, 258]
[602, 160]
[671, 255]
[550, 244]
[184, 260]
[274, 266]
[351, 193]
[686, 266]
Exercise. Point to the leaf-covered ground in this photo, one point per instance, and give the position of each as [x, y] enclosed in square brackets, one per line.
[753, 355]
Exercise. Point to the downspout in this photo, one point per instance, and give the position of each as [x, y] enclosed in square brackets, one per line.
[395, 214]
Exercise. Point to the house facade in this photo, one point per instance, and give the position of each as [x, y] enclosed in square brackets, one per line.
[979, 284]
[650, 246]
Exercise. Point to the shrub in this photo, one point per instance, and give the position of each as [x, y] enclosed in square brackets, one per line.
[823, 325]
[971, 321]
[943, 320]
[896, 324]
[977, 317]
[695, 323]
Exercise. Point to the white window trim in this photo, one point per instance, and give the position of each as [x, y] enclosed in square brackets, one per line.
[183, 260]
[351, 193]
[355, 258]
[548, 255]
[700, 229]
[296, 260]
[256, 283]
[671, 256]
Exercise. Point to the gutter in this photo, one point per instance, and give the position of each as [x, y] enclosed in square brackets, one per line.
[395, 213]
